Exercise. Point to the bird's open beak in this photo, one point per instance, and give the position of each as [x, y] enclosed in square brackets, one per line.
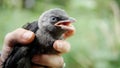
[66, 24]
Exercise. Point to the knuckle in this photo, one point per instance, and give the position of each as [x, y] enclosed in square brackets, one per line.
[8, 35]
[8, 40]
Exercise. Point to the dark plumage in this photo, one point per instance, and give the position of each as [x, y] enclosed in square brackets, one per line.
[49, 27]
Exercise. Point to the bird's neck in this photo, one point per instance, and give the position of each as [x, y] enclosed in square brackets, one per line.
[56, 34]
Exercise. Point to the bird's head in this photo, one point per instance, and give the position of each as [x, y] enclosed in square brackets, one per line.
[56, 21]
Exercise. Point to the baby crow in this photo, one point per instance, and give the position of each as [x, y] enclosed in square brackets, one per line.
[52, 25]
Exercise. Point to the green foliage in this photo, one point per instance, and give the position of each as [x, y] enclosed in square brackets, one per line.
[96, 43]
[118, 1]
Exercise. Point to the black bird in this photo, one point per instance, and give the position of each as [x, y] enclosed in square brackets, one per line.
[50, 27]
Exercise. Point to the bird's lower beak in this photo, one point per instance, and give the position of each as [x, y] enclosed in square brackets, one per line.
[66, 24]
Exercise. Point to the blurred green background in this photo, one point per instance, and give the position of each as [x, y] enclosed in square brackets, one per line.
[96, 43]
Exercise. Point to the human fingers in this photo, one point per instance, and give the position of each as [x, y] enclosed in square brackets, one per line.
[20, 35]
[52, 61]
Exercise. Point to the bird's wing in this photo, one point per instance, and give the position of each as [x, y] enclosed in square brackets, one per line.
[16, 54]
[31, 26]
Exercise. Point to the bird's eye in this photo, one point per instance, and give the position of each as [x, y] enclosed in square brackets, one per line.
[54, 19]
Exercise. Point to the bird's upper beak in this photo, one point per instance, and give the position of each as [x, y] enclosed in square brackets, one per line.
[66, 24]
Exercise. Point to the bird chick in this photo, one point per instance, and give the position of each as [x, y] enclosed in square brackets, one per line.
[52, 25]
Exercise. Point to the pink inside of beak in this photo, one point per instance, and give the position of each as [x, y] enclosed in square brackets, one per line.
[65, 22]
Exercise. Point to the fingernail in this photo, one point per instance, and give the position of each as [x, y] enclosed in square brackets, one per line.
[59, 45]
[27, 35]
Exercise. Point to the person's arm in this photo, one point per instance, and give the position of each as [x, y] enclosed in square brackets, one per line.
[24, 36]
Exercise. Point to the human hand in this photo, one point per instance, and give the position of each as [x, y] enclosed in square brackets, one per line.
[24, 37]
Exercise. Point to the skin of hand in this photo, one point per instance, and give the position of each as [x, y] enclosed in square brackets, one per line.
[23, 36]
